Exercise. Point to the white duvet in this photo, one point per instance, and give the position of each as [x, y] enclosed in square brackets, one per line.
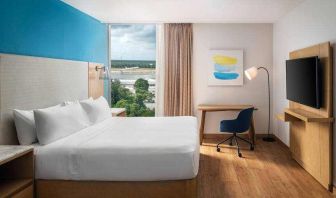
[124, 149]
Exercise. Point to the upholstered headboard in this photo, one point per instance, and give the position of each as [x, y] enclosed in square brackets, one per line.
[32, 82]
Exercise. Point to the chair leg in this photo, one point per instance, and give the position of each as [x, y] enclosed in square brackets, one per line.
[230, 138]
[224, 141]
[238, 148]
[251, 144]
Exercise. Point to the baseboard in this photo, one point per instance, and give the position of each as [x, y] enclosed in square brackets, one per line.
[219, 136]
[215, 136]
[245, 135]
[281, 142]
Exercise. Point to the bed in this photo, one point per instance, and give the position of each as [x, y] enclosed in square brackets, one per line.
[119, 157]
[124, 149]
[161, 151]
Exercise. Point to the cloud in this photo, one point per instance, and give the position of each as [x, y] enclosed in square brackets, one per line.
[133, 42]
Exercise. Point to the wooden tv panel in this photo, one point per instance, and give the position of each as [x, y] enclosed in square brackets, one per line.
[311, 129]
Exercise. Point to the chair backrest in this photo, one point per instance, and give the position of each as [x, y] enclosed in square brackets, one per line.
[244, 119]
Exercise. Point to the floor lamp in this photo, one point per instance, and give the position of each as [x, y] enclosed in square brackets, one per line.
[250, 74]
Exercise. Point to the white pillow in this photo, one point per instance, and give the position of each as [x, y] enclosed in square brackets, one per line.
[25, 125]
[65, 103]
[55, 123]
[97, 110]
[68, 102]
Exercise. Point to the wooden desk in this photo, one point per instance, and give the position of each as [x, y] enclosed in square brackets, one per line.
[212, 108]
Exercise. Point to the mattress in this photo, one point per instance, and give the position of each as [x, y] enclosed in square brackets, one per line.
[124, 149]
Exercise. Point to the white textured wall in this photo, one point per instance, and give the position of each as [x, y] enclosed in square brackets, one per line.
[312, 22]
[256, 41]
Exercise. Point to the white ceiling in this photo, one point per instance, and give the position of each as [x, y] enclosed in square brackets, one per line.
[194, 11]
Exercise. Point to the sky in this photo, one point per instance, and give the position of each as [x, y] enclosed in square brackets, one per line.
[133, 42]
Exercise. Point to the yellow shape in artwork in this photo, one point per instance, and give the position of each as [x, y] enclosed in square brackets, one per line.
[224, 60]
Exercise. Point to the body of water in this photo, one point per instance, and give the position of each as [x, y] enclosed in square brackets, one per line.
[128, 76]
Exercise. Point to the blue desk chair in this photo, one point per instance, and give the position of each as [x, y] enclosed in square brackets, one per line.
[239, 125]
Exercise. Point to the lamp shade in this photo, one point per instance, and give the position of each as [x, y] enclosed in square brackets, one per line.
[251, 73]
[104, 73]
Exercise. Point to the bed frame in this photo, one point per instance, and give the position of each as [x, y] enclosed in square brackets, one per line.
[32, 82]
[83, 189]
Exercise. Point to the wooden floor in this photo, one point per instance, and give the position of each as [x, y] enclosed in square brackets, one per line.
[268, 171]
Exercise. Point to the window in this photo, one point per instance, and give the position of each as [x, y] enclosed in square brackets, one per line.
[133, 54]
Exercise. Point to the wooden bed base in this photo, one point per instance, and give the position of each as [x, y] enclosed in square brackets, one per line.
[101, 189]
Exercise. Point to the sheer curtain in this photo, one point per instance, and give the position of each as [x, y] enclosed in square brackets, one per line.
[178, 40]
[160, 54]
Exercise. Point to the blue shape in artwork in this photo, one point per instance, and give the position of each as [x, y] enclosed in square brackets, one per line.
[224, 68]
[225, 76]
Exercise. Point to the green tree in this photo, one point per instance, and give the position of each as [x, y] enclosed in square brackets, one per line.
[122, 97]
[142, 96]
[124, 104]
[141, 84]
[148, 113]
[135, 110]
[141, 87]
[115, 96]
[119, 92]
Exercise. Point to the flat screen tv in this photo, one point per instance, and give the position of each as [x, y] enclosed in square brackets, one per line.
[303, 81]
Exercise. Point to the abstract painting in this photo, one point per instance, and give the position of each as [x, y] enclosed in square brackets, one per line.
[226, 67]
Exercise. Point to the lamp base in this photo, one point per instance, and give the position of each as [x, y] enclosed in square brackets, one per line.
[268, 139]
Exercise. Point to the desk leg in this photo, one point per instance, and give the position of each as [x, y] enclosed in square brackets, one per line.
[252, 131]
[201, 129]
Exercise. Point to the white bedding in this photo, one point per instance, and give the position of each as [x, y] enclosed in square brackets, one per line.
[124, 149]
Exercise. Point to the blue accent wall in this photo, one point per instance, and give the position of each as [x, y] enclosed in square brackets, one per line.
[53, 29]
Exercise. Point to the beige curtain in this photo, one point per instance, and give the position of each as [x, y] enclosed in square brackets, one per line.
[178, 60]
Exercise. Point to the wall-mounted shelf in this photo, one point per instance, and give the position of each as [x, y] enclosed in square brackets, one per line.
[285, 117]
[293, 115]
